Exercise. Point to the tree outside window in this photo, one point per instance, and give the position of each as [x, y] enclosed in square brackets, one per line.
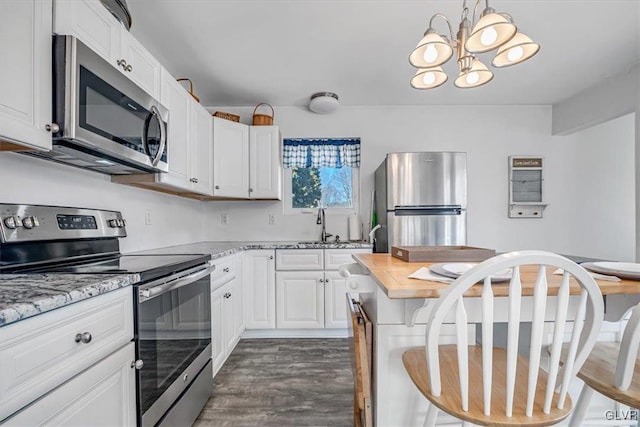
[325, 187]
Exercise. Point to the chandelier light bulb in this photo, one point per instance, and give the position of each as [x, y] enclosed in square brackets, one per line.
[515, 53]
[430, 54]
[428, 78]
[472, 78]
[489, 36]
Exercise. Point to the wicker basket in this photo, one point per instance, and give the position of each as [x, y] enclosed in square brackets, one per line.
[262, 119]
[190, 90]
[226, 116]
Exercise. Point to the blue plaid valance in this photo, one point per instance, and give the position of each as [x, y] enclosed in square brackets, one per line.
[319, 152]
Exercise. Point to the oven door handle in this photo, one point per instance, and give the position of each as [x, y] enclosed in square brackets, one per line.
[167, 286]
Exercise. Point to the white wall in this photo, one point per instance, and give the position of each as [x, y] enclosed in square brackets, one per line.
[488, 134]
[175, 220]
[602, 216]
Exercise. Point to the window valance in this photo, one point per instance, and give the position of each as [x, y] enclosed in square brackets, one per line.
[321, 152]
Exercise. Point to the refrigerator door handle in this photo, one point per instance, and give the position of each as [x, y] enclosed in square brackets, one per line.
[417, 211]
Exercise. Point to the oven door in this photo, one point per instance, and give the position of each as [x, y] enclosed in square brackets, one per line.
[99, 108]
[173, 338]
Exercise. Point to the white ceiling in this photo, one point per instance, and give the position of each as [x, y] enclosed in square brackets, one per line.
[242, 52]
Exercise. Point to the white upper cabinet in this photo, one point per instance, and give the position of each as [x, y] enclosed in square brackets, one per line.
[265, 169]
[139, 65]
[25, 74]
[177, 100]
[201, 149]
[189, 140]
[93, 24]
[230, 159]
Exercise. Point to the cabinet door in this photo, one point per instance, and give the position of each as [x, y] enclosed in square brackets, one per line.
[90, 22]
[25, 74]
[300, 299]
[178, 101]
[258, 272]
[217, 338]
[238, 310]
[202, 149]
[103, 395]
[265, 170]
[300, 259]
[335, 308]
[141, 66]
[230, 159]
[228, 321]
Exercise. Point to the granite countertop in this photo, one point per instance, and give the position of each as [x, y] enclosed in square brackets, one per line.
[221, 249]
[26, 295]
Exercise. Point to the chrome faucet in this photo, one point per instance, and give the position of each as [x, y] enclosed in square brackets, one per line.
[320, 220]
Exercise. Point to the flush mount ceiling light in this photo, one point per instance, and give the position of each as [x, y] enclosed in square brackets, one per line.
[492, 31]
[324, 102]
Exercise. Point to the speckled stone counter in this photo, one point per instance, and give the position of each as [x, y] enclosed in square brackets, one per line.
[26, 295]
[221, 249]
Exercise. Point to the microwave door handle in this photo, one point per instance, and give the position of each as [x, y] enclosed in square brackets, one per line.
[163, 135]
[155, 291]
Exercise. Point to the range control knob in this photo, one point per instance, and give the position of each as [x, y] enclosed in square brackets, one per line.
[12, 222]
[119, 223]
[112, 223]
[30, 222]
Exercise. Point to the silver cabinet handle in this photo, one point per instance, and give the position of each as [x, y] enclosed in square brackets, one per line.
[226, 269]
[128, 68]
[138, 364]
[122, 63]
[52, 127]
[321, 280]
[194, 180]
[217, 187]
[84, 337]
[227, 295]
[271, 257]
[326, 280]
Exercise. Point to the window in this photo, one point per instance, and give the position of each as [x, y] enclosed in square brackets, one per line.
[321, 173]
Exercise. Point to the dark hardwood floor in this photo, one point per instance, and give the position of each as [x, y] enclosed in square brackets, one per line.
[283, 382]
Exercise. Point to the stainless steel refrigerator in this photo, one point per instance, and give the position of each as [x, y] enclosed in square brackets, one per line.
[421, 200]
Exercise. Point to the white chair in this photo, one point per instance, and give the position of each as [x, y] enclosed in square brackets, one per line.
[612, 370]
[508, 389]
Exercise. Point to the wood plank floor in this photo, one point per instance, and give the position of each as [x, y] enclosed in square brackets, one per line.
[283, 382]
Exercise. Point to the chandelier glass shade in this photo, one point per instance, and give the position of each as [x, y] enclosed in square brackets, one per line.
[492, 31]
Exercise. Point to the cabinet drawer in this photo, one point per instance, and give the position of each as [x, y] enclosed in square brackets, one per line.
[225, 271]
[104, 392]
[299, 259]
[41, 353]
[334, 258]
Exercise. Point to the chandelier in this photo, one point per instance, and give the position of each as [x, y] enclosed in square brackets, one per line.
[492, 31]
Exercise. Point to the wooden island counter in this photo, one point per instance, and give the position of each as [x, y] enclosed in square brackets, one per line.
[398, 308]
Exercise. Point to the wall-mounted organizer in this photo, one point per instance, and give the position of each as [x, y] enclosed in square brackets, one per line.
[526, 187]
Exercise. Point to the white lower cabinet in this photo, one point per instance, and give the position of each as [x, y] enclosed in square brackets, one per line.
[103, 395]
[335, 307]
[259, 289]
[227, 311]
[300, 299]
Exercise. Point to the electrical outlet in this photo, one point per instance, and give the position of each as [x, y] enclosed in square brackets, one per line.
[147, 217]
[272, 219]
[224, 218]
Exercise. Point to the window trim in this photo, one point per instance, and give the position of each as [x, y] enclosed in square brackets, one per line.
[288, 202]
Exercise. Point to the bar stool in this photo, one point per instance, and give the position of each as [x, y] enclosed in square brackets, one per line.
[507, 389]
[612, 370]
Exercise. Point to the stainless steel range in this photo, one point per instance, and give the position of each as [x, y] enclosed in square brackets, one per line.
[172, 309]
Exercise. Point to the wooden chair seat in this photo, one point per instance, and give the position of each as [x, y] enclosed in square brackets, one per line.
[449, 401]
[599, 371]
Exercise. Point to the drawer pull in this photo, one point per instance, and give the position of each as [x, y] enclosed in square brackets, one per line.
[138, 364]
[226, 269]
[84, 337]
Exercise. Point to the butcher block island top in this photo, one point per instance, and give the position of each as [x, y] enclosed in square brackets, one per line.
[391, 274]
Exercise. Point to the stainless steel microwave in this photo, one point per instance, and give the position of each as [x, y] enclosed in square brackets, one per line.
[106, 123]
